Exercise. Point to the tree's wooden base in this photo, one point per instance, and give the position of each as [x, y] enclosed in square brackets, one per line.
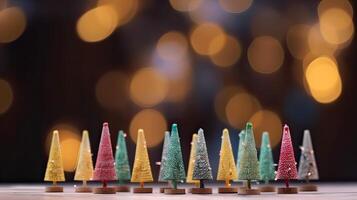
[122, 188]
[189, 190]
[142, 190]
[162, 190]
[226, 190]
[83, 189]
[290, 190]
[54, 188]
[174, 191]
[267, 188]
[308, 188]
[247, 191]
[201, 190]
[104, 190]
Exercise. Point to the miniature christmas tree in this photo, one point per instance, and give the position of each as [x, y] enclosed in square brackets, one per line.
[307, 166]
[104, 167]
[84, 169]
[175, 171]
[240, 149]
[287, 164]
[54, 171]
[122, 163]
[227, 170]
[163, 166]
[266, 164]
[191, 162]
[249, 166]
[141, 170]
[202, 169]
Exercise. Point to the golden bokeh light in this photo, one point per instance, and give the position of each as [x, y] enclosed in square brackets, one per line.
[6, 95]
[265, 54]
[180, 87]
[172, 46]
[336, 26]
[266, 120]
[208, 38]
[148, 87]
[235, 6]
[341, 4]
[125, 9]
[222, 98]
[229, 54]
[152, 122]
[297, 40]
[12, 24]
[97, 24]
[185, 5]
[240, 108]
[324, 80]
[70, 141]
[318, 45]
[112, 90]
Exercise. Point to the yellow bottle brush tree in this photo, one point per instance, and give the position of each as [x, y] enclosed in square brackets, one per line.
[191, 162]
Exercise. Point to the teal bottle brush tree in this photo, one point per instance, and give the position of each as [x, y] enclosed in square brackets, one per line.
[307, 165]
[163, 165]
[202, 169]
[175, 170]
[122, 163]
[239, 155]
[266, 164]
[249, 166]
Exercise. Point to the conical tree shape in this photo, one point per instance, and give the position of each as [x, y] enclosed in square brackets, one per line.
[121, 159]
[202, 169]
[54, 171]
[191, 162]
[240, 149]
[307, 166]
[84, 169]
[287, 164]
[227, 170]
[141, 170]
[175, 168]
[249, 166]
[104, 167]
[266, 162]
[163, 165]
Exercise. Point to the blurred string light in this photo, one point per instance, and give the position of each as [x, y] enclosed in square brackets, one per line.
[318, 45]
[235, 6]
[208, 11]
[297, 40]
[266, 120]
[221, 100]
[152, 122]
[148, 87]
[340, 4]
[324, 79]
[125, 9]
[185, 5]
[229, 54]
[12, 24]
[172, 46]
[265, 54]
[7, 96]
[112, 89]
[70, 142]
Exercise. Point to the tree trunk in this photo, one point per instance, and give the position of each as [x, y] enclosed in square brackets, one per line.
[202, 185]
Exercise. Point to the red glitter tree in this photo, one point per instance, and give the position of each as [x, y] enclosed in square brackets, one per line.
[104, 167]
[287, 164]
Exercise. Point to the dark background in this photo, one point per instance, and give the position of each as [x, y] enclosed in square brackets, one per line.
[53, 74]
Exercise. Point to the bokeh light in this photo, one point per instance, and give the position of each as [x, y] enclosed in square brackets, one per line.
[297, 40]
[152, 122]
[207, 38]
[240, 108]
[172, 46]
[318, 45]
[112, 89]
[221, 100]
[341, 4]
[229, 54]
[265, 54]
[208, 11]
[324, 80]
[97, 24]
[235, 6]
[70, 141]
[125, 9]
[185, 5]
[266, 120]
[148, 87]
[7, 96]
[12, 24]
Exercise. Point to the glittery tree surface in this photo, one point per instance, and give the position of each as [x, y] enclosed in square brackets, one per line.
[227, 169]
[307, 166]
[54, 171]
[163, 166]
[141, 170]
[287, 164]
[121, 159]
[191, 162]
[240, 149]
[84, 169]
[266, 162]
[175, 168]
[249, 166]
[104, 167]
[202, 169]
